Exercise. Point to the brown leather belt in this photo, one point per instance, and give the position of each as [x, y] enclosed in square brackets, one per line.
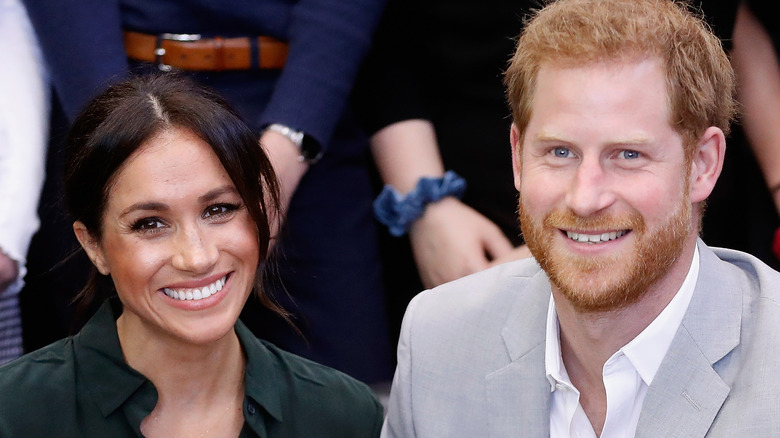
[192, 52]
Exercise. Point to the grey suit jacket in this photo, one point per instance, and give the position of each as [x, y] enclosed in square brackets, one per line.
[471, 357]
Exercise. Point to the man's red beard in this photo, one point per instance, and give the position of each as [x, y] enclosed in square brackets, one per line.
[603, 283]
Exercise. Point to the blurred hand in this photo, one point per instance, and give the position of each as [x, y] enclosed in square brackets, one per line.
[283, 154]
[451, 240]
[8, 272]
[520, 252]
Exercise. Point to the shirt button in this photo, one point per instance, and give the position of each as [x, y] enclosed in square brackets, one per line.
[251, 409]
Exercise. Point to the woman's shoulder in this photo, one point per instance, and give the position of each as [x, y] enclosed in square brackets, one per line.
[53, 362]
[45, 377]
[309, 392]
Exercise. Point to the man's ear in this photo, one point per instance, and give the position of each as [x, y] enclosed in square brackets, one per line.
[91, 247]
[707, 163]
[514, 141]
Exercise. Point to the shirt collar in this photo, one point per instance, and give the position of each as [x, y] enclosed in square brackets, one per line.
[645, 351]
[101, 363]
[112, 382]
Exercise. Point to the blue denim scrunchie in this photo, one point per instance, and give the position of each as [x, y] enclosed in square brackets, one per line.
[398, 212]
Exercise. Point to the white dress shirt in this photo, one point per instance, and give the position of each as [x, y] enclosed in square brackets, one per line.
[627, 374]
[24, 122]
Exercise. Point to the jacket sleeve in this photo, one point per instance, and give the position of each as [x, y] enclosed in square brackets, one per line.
[328, 41]
[81, 41]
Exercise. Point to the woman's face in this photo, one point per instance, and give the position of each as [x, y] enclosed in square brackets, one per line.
[177, 241]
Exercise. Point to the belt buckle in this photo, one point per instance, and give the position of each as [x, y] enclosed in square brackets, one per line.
[159, 51]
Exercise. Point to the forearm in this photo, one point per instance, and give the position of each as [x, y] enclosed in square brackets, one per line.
[449, 238]
[406, 151]
[758, 75]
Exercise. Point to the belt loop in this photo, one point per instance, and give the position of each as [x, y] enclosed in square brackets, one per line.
[219, 45]
[159, 52]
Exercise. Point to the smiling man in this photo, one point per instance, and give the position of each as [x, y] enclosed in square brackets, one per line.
[625, 323]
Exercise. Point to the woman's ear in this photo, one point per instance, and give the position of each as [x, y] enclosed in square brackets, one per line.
[91, 247]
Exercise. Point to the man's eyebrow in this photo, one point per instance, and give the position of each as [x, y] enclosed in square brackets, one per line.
[627, 140]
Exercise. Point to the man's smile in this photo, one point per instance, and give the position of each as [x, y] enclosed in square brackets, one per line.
[595, 238]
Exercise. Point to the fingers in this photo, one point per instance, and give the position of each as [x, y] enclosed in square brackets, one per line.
[496, 244]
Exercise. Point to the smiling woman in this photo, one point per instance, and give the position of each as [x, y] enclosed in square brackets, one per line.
[172, 200]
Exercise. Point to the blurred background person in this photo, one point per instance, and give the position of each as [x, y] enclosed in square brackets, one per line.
[24, 110]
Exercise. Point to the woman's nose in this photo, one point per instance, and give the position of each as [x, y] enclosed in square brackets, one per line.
[194, 251]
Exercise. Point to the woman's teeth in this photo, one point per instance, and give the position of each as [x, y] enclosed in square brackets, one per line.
[196, 293]
[595, 238]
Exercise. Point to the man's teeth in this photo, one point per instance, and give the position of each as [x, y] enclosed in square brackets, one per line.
[595, 238]
[196, 293]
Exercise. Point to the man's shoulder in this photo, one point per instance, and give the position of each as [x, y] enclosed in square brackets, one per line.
[472, 314]
[491, 290]
[760, 278]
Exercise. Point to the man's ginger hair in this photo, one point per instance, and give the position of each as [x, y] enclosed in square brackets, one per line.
[700, 81]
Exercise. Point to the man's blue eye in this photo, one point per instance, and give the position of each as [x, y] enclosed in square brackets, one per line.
[561, 152]
[630, 155]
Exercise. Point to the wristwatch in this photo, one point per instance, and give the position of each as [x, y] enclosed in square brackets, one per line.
[309, 148]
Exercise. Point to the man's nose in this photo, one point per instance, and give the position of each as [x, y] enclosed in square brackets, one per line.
[591, 189]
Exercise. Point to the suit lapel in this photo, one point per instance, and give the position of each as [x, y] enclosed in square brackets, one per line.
[518, 394]
[687, 391]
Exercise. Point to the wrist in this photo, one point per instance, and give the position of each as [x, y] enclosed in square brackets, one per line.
[309, 150]
[399, 212]
[434, 213]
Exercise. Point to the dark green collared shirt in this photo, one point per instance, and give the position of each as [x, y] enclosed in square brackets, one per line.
[82, 387]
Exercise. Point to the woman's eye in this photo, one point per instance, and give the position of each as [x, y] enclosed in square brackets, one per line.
[148, 223]
[629, 155]
[219, 209]
[562, 152]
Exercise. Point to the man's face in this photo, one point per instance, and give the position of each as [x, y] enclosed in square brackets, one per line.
[603, 182]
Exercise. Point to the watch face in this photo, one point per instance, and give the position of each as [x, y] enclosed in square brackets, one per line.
[311, 151]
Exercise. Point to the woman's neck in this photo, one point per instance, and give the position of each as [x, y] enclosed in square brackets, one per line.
[199, 387]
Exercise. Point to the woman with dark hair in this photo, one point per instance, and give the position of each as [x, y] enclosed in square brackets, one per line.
[172, 201]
